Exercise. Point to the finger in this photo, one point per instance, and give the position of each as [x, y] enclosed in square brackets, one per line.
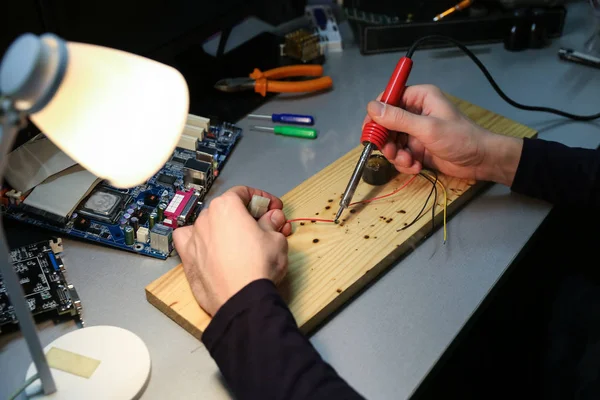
[403, 159]
[401, 140]
[400, 120]
[181, 237]
[272, 221]
[245, 193]
[367, 118]
[414, 169]
[287, 229]
[389, 150]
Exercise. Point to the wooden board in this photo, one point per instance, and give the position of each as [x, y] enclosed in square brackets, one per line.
[330, 263]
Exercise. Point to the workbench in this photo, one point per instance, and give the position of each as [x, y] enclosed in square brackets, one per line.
[386, 340]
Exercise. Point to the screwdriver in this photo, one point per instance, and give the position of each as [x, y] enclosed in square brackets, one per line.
[305, 133]
[287, 118]
[374, 136]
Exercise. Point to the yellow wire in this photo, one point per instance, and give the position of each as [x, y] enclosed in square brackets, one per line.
[445, 200]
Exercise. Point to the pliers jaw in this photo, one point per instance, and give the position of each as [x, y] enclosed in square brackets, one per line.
[235, 84]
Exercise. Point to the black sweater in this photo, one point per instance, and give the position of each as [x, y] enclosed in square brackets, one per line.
[255, 340]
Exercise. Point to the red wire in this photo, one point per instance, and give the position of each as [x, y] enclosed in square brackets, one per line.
[385, 195]
[357, 202]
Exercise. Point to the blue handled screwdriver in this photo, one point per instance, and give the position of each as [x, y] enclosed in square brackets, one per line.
[287, 118]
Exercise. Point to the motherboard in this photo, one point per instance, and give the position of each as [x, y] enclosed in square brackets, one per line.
[142, 219]
[47, 291]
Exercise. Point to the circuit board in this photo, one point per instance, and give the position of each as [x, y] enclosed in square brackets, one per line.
[46, 289]
[141, 219]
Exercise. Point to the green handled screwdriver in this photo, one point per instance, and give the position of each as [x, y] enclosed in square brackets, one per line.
[300, 132]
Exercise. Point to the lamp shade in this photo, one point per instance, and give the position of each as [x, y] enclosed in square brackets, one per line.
[117, 114]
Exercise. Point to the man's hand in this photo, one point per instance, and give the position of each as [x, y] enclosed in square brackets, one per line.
[428, 130]
[226, 248]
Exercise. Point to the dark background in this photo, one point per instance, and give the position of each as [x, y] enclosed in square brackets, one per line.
[169, 31]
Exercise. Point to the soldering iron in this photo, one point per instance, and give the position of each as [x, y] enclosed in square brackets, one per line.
[374, 136]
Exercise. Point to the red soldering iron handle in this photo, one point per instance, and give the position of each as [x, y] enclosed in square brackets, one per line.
[373, 132]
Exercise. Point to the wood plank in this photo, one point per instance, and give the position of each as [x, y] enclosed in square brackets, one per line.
[331, 263]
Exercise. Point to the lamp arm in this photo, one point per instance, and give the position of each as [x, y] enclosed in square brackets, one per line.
[11, 121]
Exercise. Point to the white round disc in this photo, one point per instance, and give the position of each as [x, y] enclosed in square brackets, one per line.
[122, 374]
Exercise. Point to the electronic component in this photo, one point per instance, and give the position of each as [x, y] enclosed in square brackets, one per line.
[152, 200]
[109, 209]
[152, 220]
[103, 205]
[208, 154]
[178, 160]
[166, 179]
[171, 223]
[129, 235]
[34, 162]
[14, 197]
[302, 45]
[197, 174]
[258, 206]
[325, 25]
[160, 211]
[378, 170]
[82, 223]
[225, 132]
[142, 235]
[194, 131]
[188, 209]
[134, 222]
[46, 289]
[94, 231]
[61, 194]
[161, 238]
[200, 122]
[187, 142]
[181, 208]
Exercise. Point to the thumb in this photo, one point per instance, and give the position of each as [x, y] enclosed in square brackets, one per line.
[272, 221]
[399, 120]
[181, 237]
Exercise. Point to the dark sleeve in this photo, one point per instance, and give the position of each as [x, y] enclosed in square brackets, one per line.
[559, 174]
[262, 354]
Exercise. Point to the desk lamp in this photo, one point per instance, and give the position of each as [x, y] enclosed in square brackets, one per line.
[91, 101]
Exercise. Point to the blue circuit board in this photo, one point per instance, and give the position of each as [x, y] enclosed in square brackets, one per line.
[142, 201]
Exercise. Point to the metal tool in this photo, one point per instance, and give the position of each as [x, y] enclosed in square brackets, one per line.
[578, 57]
[374, 136]
[460, 6]
[295, 131]
[286, 118]
[268, 81]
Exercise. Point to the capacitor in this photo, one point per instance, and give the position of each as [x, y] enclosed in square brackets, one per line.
[140, 203]
[152, 219]
[123, 221]
[161, 211]
[134, 222]
[130, 210]
[378, 170]
[129, 235]
[127, 216]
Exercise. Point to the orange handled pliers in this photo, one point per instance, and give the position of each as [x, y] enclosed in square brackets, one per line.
[263, 82]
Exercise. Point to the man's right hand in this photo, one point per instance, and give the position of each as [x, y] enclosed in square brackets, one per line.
[435, 134]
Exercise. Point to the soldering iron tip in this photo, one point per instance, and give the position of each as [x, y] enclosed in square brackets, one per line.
[338, 215]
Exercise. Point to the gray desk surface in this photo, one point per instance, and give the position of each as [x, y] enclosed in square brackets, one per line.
[385, 341]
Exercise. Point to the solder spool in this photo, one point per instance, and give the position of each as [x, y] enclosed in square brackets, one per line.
[378, 170]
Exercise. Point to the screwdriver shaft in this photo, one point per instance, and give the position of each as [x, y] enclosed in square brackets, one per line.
[258, 116]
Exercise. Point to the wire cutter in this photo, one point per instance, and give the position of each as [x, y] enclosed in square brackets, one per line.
[268, 81]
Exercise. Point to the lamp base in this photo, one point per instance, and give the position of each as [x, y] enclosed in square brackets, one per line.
[123, 371]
